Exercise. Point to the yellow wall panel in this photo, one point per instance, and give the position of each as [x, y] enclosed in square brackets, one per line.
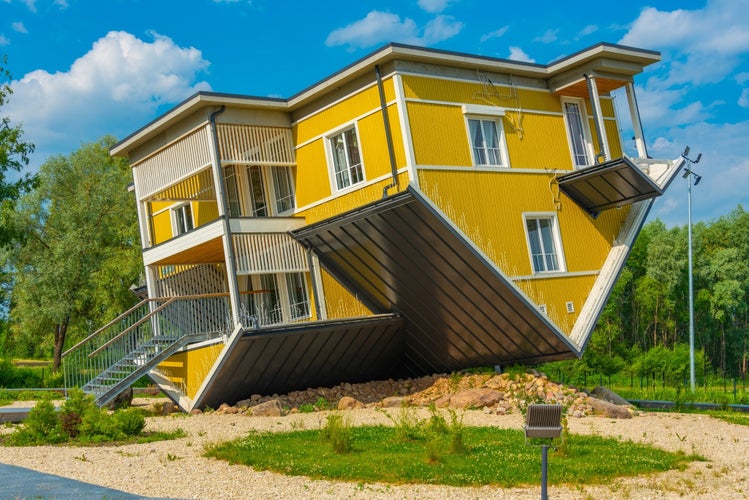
[339, 302]
[439, 134]
[492, 217]
[612, 134]
[162, 227]
[475, 93]
[540, 144]
[188, 369]
[312, 178]
[374, 147]
[204, 212]
[351, 200]
[361, 103]
[554, 293]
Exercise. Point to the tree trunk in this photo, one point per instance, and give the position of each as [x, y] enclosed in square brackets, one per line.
[61, 329]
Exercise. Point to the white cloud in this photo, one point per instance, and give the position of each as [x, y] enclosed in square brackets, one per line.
[715, 37]
[122, 80]
[434, 6]
[495, 34]
[517, 54]
[4, 40]
[63, 4]
[724, 168]
[588, 30]
[440, 28]
[744, 99]
[19, 27]
[549, 36]
[380, 27]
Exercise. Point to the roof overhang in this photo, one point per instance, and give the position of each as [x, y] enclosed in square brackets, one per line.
[314, 354]
[400, 254]
[611, 184]
[614, 60]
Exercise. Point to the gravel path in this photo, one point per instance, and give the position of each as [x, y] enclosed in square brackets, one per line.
[177, 469]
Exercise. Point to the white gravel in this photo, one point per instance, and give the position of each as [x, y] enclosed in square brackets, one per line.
[177, 469]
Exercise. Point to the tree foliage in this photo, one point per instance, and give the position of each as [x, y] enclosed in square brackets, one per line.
[648, 311]
[80, 254]
[14, 158]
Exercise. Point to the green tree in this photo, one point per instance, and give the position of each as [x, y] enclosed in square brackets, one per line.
[14, 157]
[81, 253]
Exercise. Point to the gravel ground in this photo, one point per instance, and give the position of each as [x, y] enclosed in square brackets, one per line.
[177, 469]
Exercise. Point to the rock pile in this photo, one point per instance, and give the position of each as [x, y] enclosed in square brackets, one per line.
[494, 393]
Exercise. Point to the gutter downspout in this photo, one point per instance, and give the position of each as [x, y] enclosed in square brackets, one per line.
[388, 134]
[596, 105]
[218, 180]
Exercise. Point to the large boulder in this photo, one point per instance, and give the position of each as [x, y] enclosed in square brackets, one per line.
[601, 407]
[605, 394]
[270, 408]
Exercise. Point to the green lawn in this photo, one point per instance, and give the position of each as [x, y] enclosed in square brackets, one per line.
[493, 456]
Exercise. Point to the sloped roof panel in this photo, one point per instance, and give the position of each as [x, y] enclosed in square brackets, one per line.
[400, 255]
[614, 183]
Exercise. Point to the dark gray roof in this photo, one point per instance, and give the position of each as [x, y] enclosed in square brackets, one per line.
[314, 354]
[614, 183]
[400, 255]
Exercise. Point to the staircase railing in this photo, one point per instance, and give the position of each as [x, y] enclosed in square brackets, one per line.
[113, 357]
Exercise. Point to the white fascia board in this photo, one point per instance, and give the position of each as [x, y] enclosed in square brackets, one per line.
[614, 263]
[265, 224]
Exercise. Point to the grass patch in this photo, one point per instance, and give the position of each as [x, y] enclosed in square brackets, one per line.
[488, 456]
[732, 417]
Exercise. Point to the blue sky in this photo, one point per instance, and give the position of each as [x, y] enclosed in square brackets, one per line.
[85, 68]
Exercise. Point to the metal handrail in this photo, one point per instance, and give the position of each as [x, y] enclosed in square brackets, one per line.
[131, 327]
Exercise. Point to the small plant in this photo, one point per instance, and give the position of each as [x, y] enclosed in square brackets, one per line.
[172, 458]
[337, 430]
[321, 404]
[457, 431]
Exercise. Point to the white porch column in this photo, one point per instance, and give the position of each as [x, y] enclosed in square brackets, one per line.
[634, 111]
[598, 115]
[223, 212]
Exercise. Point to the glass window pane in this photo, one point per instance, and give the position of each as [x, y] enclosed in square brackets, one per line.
[283, 188]
[297, 291]
[257, 192]
[577, 133]
[492, 142]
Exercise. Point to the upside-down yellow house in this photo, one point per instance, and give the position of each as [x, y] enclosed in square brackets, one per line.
[419, 211]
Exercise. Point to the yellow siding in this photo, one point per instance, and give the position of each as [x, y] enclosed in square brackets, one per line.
[439, 135]
[188, 369]
[161, 223]
[554, 293]
[346, 111]
[542, 143]
[349, 201]
[612, 133]
[204, 212]
[313, 172]
[492, 217]
[339, 302]
[312, 177]
[474, 93]
[374, 148]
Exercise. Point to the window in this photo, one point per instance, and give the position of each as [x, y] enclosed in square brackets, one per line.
[258, 206]
[182, 219]
[283, 189]
[347, 165]
[485, 141]
[296, 287]
[544, 244]
[577, 131]
[231, 178]
[277, 298]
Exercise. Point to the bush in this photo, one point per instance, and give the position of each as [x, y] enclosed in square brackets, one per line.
[79, 419]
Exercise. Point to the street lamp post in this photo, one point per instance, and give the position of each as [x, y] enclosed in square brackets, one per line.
[688, 174]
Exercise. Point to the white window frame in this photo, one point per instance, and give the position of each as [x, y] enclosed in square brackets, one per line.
[502, 146]
[284, 294]
[556, 240]
[585, 125]
[487, 114]
[330, 154]
[273, 189]
[174, 210]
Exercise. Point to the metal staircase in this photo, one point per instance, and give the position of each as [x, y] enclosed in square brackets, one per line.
[111, 359]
